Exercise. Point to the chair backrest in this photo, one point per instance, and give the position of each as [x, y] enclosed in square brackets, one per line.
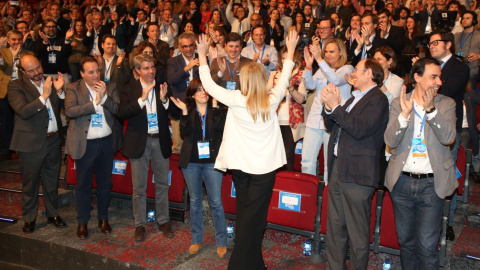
[388, 231]
[461, 166]
[294, 200]
[229, 202]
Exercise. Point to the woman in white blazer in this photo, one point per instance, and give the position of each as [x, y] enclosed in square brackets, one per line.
[392, 84]
[252, 148]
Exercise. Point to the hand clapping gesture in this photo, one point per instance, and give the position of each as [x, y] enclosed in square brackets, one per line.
[182, 106]
[331, 96]
[405, 105]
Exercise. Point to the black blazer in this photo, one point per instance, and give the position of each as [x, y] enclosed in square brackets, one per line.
[137, 127]
[89, 40]
[472, 98]
[214, 126]
[177, 78]
[276, 38]
[377, 43]
[396, 39]
[455, 75]
[361, 139]
[132, 32]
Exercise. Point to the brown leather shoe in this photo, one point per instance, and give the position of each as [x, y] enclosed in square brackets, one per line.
[139, 233]
[166, 229]
[194, 248]
[29, 227]
[58, 221]
[104, 226]
[82, 231]
[221, 252]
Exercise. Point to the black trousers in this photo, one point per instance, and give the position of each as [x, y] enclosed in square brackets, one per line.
[45, 163]
[289, 144]
[253, 197]
[6, 125]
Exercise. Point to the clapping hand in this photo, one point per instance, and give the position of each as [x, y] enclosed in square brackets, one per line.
[331, 96]
[405, 105]
[182, 106]
[58, 83]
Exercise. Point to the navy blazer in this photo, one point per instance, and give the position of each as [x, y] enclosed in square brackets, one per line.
[137, 127]
[361, 138]
[177, 78]
[377, 43]
[455, 75]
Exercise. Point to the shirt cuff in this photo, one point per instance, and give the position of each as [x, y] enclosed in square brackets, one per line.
[42, 100]
[403, 122]
[430, 116]
[141, 103]
[103, 100]
[166, 104]
[62, 95]
[220, 74]
[356, 52]
[327, 112]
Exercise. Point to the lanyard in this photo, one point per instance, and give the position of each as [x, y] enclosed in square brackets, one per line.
[150, 101]
[263, 51]
[90, 94]
[107, 69]
[271, 31]
[165, 29]
[50, 45]
[231, 72]
[423, 120]
[462, 42]
[204, 121]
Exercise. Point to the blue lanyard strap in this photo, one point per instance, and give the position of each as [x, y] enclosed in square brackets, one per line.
[263, 51]
[107, 69]
[271, 31]
[90, 94]
[462, 42]
[233, 71]
[165, 29]
[204, 121]
[150, 101]
[423, 120]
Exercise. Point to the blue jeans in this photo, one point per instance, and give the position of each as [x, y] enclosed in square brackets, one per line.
[453, 202]
[193, 174]
[312, 142]
[418, 215]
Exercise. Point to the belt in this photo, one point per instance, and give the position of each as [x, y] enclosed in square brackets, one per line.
[153, 135]
[52, 133]
[418, 175]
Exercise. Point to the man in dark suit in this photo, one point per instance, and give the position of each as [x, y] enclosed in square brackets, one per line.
[135, 30]
[181, 69]
[93, 137]
[455, 76]
[368, 41]
[62, 24]
[353, 153]
[115, 68]
[163, 49]
[394, 35]
[94, 35]
[36, 138]
[344, 12]
[145, 104]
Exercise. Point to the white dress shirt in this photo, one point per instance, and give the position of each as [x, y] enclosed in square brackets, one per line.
[52, 123]
[105, 130]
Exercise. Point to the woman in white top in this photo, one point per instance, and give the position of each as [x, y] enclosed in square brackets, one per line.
[240, 23]
[332, 69]
[291, 110]
[252, 148]
[217, 43]
[392, 85]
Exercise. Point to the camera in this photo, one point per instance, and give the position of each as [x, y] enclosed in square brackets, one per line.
[303, 41]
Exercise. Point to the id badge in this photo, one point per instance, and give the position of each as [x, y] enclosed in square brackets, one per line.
[231, 85]
[203, 149]
[52, 58]
[419, 148]
[460, 53]
[188, 82]
[97, 120]
[152, 120]
[106, 80]
[49, 114]
[14, 74]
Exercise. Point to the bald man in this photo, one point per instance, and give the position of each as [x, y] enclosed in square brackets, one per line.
[36, 102]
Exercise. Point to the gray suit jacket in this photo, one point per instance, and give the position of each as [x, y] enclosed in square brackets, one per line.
[439, 133]
[31, 116]
[79, 109]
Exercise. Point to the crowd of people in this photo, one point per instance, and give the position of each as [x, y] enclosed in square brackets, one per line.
[388, 87]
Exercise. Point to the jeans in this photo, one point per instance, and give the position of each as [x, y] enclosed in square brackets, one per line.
[418, 215]
[453, 202]
[312, 142]
[193, 174]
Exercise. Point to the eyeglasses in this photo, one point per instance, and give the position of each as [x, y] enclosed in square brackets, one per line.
[323, 28]
[435, 42]
[187, 46]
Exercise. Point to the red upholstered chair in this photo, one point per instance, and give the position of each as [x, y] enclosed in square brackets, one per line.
[464, 159]
[229, 202]
[388, 232]
[304, 188]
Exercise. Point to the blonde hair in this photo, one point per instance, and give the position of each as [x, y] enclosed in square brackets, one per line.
[341, 47]
[253, 85]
